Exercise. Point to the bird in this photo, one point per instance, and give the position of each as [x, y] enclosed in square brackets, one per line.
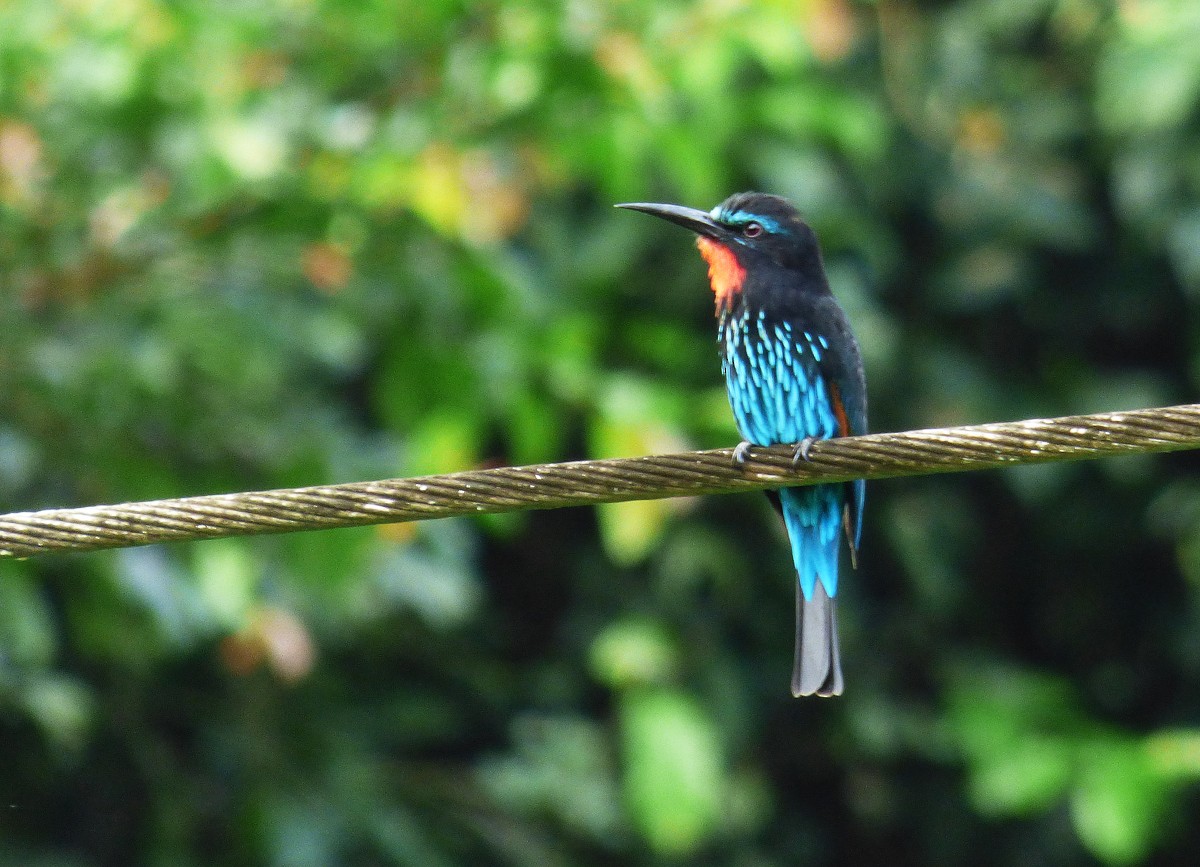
[794, 374]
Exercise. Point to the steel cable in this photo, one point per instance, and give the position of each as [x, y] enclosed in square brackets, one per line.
[548, 486]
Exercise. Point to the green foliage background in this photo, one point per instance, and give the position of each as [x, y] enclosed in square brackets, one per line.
[284, 242]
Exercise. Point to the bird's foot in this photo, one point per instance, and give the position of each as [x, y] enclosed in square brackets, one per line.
[802, 449]
[741, 454]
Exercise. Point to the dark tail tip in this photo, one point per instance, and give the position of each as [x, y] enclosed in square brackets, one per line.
[818, 666]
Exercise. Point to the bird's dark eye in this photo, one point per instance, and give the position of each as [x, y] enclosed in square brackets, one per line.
[752, 230]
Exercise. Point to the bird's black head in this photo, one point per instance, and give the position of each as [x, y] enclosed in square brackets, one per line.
[755, 227]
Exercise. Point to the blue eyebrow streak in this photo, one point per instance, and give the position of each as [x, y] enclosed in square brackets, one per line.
[741, 218]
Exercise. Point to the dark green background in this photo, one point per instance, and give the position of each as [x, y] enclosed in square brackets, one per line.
[262, 244]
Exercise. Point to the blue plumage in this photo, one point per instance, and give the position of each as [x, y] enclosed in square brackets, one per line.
[814, 522]
[779, 395]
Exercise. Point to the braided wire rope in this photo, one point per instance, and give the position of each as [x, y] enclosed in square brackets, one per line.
[549, 486]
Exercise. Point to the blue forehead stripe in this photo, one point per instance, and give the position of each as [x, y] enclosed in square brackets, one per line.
[741, 218]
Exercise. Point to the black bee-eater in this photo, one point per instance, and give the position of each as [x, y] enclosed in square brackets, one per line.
[794, 375]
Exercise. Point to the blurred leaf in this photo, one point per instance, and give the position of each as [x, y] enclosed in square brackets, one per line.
[1118, 803]
[325, 573]
[994, 708]
[1021, 734]
[63, 708]
[1150, 77]
[1184, 245]
[227, 575]
[432, 577]
[634, 418]
[19, 459]
[632, 529]
[27, 632]
[154, 581]
[302, 830]
[1175, 753]
[633, 653]
[559, 766]
[1030, 775]
[443, 442]
[674, 769]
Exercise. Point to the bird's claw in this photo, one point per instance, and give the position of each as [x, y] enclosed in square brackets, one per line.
[802, 449]
[741, 454]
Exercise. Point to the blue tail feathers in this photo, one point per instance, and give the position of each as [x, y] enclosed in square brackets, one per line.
[814, 523]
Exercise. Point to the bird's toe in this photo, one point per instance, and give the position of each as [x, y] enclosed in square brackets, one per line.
[802, 450]
[741, 454]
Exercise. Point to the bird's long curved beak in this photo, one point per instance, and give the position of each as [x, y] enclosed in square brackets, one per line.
[698, 221]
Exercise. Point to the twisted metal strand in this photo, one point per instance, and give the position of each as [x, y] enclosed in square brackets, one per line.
[549, 486]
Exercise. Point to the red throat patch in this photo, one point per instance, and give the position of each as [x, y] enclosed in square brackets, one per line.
[725, 273]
